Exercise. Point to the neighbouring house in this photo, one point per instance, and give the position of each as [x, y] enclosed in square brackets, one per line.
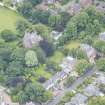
[56, 35]
[86, 3]
[92, 90]
[14, 2]
[90, 52]
[67, 67]
[30, 103]
[74, 8]
[31, 39]
[102, 36]
[5, 99]
[78, 99]
[100, 5]
[100, 78]
[68, 64]
[49, 1]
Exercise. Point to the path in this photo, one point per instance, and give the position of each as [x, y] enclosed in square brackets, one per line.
[79, 81]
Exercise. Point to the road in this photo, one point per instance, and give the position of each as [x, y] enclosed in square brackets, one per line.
[79, 81]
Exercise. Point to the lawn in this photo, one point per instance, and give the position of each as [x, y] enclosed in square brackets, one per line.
[72, 45]
[8, 19]
[57, 57]
[41, 72]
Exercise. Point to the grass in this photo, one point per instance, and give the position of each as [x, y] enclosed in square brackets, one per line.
[57, 57]
[8, 19]
[72, 45]
[41, 72]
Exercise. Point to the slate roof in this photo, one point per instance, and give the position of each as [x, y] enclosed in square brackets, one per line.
[90, 51]
[74, 8]
[102, 36]
[92, 90]
[78, 99]
[30, 39]
[68, 64]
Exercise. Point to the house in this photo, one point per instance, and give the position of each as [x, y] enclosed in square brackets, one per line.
[74, 8]
[31, 39]
[49, 1]
[30, 103]
[78, 99]
[5, 99]
[14, 2]
[92, 90]
[67, 67]
[90, 52]
[86, 3]
[100, 5]
[56, 35]
[100, 78]
[68, 64]
[102, 36]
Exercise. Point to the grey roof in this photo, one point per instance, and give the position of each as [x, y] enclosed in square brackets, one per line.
[30, 39]
[92, 90]
[101, 79]
[68, 64]
[78, 99]
[90, 51]
[51, 82]
[30, 103]
[67, 67]
[56, 34]
[102, 36]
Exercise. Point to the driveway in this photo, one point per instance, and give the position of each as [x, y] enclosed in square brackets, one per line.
[79, 81]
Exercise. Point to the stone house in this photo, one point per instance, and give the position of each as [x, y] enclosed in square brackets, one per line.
[102, 36]
[49, 1]
[67, 67]
[92, 90]
[78, 99]
[30, 39]
[90, 52]
[86, 3]
[74, 8]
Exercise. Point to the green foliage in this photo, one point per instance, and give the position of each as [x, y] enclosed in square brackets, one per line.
[88, 22]
[31, 58]
[82, 66]
[97, 101]
[100, 46]
[66, 98]
[8, 35]
[25, 9]
[101, 64]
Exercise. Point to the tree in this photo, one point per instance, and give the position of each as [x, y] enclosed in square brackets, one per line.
[101, 64]
[18, 54]
[82, 66]
[15, 68]
[36, 93]
[21, 26]
[97, 101]
[25, 9]
[40, 55]
[8, 35]
[100, 46]
[7, 3]
[47, 47]
[55, 21]
[44, 31]
[39, 16]
[31, 58]
[34, 2]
